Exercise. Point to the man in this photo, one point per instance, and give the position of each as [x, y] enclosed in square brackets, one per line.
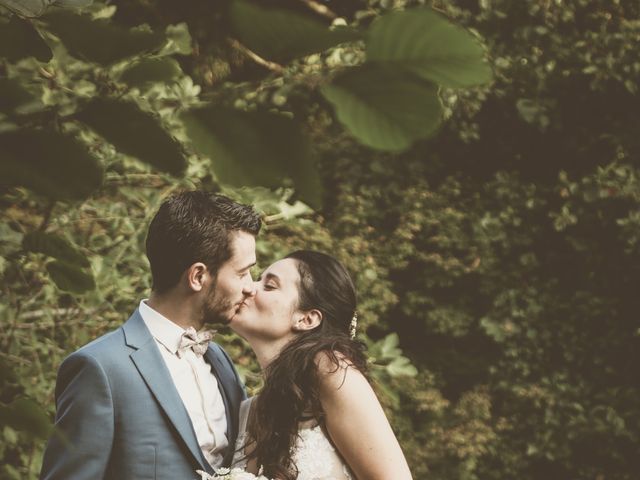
[154, 399]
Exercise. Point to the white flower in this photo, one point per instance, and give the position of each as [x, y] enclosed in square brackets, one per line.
[224, 473]
[204, 475]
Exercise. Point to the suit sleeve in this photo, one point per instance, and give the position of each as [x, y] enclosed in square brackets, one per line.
[81, 444]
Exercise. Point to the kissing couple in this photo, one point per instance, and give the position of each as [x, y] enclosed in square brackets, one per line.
[157, 399]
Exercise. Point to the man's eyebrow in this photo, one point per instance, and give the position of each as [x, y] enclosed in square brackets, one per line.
[247, 267]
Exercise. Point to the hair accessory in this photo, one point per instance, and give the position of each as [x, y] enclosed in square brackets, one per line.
[353, 325]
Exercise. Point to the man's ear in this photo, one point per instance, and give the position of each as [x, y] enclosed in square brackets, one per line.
[308, 320]
[197, 275]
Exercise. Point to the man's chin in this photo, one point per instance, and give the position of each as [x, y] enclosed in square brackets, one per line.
[222, 317]
[218, 318]
[234, 315]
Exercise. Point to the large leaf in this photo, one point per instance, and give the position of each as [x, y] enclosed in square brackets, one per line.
[70, 278]
[35, 8]
[151, 70]
[425, 43]
[283, 35]
[384, 108]
[135, 133]
[26, 8]
[25, 415]
[54, 246]
[48, 163]
[18, 40]
[15, 98]
[254, 148]
[100, 40]
[72, 3]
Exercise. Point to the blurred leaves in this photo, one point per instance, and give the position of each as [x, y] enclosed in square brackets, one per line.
[254, 148]
[386, 353]
[283, 35]
[101, 41]
[425, 43]
[134, 133]
[151, 70]
[49, 163]
[19, 39]
[15, 98]
[384, 108]
[70, 278]
[54, 246]
[35, 8]
[25, 415]
[71, 270]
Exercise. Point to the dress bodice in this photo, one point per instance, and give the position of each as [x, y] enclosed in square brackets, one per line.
[314, 455]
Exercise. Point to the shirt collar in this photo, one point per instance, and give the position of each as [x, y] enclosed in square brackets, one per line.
[162, 329]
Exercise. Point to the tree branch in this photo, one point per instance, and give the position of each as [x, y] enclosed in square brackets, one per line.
[274, 67]
[321, 9]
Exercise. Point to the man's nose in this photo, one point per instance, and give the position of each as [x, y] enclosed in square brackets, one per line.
[249, 289]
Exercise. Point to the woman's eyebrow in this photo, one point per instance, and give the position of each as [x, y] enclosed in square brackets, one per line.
[270, 276]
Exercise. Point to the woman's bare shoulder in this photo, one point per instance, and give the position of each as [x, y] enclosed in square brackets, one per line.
[335, 370]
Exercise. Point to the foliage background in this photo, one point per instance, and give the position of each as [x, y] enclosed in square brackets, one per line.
[502, 253]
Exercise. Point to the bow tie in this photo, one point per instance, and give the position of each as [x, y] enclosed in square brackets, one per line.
[196, 341]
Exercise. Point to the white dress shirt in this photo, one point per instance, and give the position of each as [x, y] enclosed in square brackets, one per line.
[196, 384]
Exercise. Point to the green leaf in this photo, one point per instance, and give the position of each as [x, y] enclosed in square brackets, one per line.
[383, 108]
[180, 38]
[18, 40]
[401, 366]
[283, 35]
[54, 246]
[26, 8]
[25, 415]
[425, 43]
[254, 148]
[389, 346]
[72, 3]
[135, 133]
[49, 163]
[99, 40]
[70, 278]
[35, 8]
[11, 473]
[10, 436]
[151, 70]
[528, 109]
[15, 98]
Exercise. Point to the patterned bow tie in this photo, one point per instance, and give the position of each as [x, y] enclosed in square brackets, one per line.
[196, 341]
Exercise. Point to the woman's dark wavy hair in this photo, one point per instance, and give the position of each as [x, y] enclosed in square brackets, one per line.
[291, 390]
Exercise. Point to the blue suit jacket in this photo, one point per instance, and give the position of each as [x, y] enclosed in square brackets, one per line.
[119, 415]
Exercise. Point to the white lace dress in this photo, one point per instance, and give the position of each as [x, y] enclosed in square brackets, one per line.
[313, 454]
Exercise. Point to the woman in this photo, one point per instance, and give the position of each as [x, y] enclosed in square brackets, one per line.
[317, 417]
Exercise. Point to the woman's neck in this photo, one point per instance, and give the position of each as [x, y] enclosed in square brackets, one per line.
[267, 349]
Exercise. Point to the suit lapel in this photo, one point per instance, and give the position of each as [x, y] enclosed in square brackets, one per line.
[152, 368]
[222, 375]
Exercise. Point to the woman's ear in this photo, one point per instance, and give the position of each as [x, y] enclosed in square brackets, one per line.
[308, 320]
